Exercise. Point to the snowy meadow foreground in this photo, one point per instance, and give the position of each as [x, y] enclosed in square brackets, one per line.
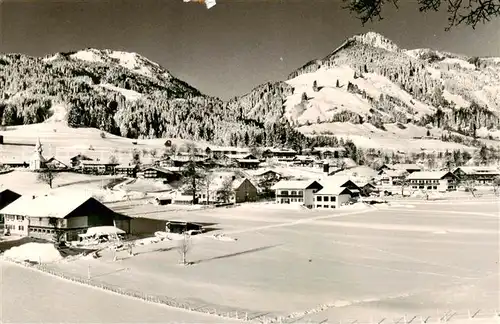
[360, 263]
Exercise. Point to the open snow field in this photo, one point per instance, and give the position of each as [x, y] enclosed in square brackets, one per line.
[418, 258]
[25, 182]
[29, 296]
[64, 142]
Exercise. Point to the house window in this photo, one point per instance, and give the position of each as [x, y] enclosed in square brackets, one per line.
[332, 206]
[20, 227]
[294, 193]
[284, 193]
[333, 199]
[300, 192]
[435, 187]
[325, 198]
[318, 198]
[319, 206]
[429, 187]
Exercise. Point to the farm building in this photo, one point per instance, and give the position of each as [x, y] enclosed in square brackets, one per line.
[296, 192]
[433, 180]
[244, 190]
[68, 215]
[128, 170]
[479, 175]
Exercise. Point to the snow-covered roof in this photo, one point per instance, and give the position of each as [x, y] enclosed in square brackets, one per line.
[404, 166]
[126, 166]
[478, 170]
[393, 173]
[293, 184]
[333, 189]
[58, 206]
[328, 149]
[428, 175]
[245, 156]
[248, 161]
[102, 230]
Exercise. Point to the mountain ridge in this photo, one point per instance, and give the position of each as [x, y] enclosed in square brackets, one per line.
[367, 80]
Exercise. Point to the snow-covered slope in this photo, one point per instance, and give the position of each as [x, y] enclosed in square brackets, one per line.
[369, 79]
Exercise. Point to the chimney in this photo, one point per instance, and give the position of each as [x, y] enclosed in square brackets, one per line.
[34, 197]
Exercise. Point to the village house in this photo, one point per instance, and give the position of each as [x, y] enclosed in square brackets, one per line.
[153, 172]
[97, 167]
[303, 160]
[279, 154]
[77, 159]
[342, 182]
[128, 170]
[332, 196]
[432, 181]
[218, 152]
[68, 216]
[329, 152]
[408, 167]
[244, 161]
[7, 197]
[477, 174]
[296, 192]
[13, 162]
[389, 177]
[54, 163]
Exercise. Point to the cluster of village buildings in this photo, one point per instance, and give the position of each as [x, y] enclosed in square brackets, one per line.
[42, 216]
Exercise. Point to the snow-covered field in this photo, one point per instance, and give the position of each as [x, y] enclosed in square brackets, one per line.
[25, 182]
[29, 296]
[64, 142]
[415, 258]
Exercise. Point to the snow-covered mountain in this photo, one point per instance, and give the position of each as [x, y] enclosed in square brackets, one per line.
[368, 89]
[368, 85]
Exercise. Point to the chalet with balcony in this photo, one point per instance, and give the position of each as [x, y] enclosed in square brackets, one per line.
[280, 154]
[440, 181]
[97, 167]
[64, 215]
[407, 167]
[127, 170]
[299, 192]
[329, 152]
[389, 177]
[477, 174]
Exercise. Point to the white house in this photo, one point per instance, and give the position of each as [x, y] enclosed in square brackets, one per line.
[332, 196]
[433, 180]
[296, 192]
[390, 177]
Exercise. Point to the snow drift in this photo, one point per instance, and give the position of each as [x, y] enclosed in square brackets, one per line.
[34, 252]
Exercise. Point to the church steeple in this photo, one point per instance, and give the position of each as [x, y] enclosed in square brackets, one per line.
[38, 146]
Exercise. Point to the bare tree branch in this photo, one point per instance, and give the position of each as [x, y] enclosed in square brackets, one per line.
[460, 12]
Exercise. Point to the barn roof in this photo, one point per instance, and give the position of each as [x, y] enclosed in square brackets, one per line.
[58, 206]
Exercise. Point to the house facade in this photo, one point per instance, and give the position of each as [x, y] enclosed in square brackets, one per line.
[244, 191]
[128, 170]
[389, 177]
[6, 198]
[439, 181]
[68, 215]
[296, 192]
[332, 197]
[97, 167]
[479, 175]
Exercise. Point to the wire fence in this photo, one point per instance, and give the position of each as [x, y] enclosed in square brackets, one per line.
[472, 316]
